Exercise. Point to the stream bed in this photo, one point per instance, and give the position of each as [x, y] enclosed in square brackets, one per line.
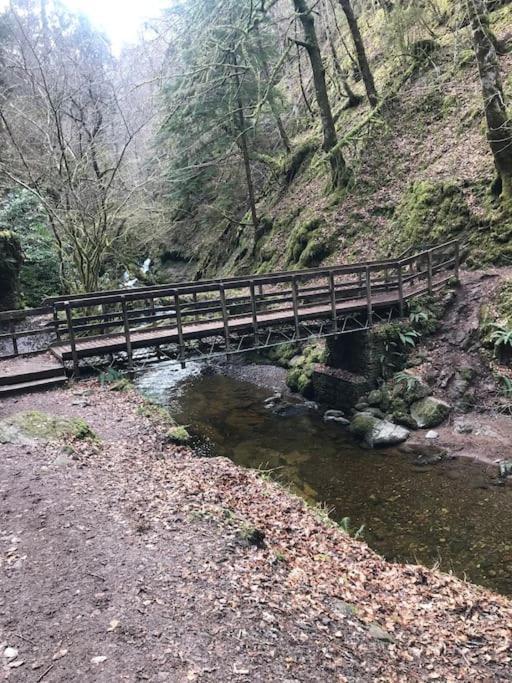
[451, 514]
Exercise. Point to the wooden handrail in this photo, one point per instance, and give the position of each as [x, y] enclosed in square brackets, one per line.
[180, 305]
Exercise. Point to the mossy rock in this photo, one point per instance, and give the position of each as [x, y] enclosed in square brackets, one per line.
[409, 388]
[33, 424]
[299, 376]
[11, 259]
[178, 435]
[156, 413]
[430, 412]
[430, 212]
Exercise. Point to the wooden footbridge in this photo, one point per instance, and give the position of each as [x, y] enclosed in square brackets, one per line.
[222, 316]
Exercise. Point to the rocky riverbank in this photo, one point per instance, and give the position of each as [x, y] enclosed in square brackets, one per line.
[126, 557]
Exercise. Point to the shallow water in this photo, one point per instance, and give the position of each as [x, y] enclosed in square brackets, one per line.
[449, 514]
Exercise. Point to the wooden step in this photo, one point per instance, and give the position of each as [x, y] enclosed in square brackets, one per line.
[34, 385]
[31, 376]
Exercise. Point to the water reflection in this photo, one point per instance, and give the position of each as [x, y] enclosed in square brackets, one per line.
[450, 514]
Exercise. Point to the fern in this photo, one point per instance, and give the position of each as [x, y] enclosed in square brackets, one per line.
[502, 336]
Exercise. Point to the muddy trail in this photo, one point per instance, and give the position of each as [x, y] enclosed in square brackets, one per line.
[126, 558]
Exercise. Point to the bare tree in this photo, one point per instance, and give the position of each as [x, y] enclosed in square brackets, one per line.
[68, 132]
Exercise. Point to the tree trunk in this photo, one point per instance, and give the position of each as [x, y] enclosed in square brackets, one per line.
[353, 99]
[271, 100]
[241, 126]
[499, 126]
[364, 67]
[339, 171]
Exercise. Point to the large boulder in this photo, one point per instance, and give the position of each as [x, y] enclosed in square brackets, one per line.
[430, 412]
[375, 432]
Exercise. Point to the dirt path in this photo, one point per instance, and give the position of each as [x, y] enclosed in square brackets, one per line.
[132, 559]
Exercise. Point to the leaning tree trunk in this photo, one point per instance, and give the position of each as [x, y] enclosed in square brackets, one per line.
[240, 124]
[362, 60]
[499, 125]
[339, 171]
[353, 99]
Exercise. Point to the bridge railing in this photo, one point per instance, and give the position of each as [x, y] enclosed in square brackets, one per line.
[194, 309]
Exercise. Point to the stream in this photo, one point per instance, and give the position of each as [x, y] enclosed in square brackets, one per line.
[451, 514]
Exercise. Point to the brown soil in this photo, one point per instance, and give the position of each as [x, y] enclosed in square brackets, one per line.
[457, 346]
[146, 556]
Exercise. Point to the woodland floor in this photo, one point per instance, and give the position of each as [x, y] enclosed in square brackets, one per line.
[133, 560]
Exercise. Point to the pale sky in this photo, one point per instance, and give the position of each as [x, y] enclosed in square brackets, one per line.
[119, 19]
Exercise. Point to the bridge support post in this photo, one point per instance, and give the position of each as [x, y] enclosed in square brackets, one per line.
[127, 338]
[72, 343]
[400, 290]
[56, 322]
[179, 325]
[295, 298]
[456, 260]
[225, 317]
[369, 308]
[332, 291]
[254, 312]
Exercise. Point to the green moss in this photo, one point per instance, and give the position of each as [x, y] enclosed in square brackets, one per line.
[306, 246]
[178, 435]
[301, 155]
[430, 212]
[39, 425]
[493, 244]
[282, 354]
[299, 377]
[156, 413]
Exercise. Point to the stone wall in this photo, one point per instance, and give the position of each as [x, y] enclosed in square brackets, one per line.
[351, 369]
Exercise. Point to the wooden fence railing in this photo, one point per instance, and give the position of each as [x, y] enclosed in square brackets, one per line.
[194, 308]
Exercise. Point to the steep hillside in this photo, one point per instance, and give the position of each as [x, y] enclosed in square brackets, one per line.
[422, 168]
